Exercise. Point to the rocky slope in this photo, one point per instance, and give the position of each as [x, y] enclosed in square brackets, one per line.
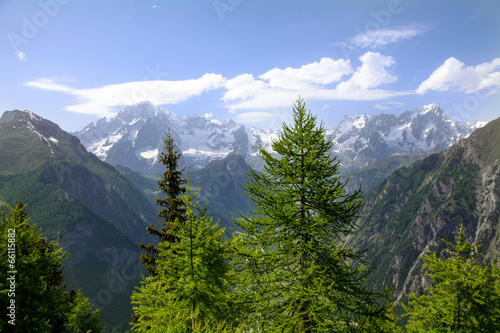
[133, 138]
[409, 214]
[97, 214]
[362, 140]
[27, 140]
[369, 177]
[220, 183]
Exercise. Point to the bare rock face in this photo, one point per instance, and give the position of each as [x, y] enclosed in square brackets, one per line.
[133, 138]
[408, 215]
[363, 140]
[97, 214]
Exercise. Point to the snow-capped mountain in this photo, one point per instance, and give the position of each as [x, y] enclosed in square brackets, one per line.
[362, 140]
[133, 138]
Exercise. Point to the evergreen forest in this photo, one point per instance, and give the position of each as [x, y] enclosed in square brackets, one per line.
[287, 267]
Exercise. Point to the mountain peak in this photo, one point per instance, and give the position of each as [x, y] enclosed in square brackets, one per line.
[143, 110]
[134, 137]
[361, 140]
[431, 108]
[18, 116]
[20, 119]
[350, 123]
[27, 140]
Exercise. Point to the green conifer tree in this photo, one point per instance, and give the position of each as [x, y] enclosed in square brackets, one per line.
[463, 296]
[296, 276]
[190, 291]
[38, 288]
[173, 186]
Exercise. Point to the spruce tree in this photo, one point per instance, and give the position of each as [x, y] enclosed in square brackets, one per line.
[190, 292]
[172, 207]
[296, 275]
[463, 296]
[41, 302]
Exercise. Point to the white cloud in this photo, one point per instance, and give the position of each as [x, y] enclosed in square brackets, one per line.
[276, 88]
[100, 100]
[376, 39]
[317, 73]
[453, 75]
[267, 99]
[250, 98]
[242, 87]
[21, 56]
[372, 73]
[382, 37]
[48, 84]
[254, 117]
[280, 88]
[388, 105]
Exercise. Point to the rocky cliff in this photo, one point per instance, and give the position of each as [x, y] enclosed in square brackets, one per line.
[97, 214]
[410, 212]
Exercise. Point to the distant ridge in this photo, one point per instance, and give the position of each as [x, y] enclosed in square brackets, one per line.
[27, 140]
[363, 140]
[95, 212]
[411, 211]
[133, 138]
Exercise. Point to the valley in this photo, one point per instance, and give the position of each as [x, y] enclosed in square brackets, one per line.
[422, 176]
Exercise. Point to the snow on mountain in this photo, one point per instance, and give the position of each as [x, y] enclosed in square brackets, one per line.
[362, 140]
[133, 138]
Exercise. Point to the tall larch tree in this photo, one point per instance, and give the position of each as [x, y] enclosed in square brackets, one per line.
[296, 275]
[173, 186]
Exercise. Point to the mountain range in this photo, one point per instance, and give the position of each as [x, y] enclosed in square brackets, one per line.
[409, 214]
[413, 198]
[133, 138]
[363, 140]
[97, 214]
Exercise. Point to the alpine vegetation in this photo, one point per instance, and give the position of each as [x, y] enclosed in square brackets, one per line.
[290, 267]
[463, 296]
[294, 273]
[188, 286]
[32, 285]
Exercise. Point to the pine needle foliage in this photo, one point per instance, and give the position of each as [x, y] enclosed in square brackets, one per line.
[463, 296]
[190, 292]
[172, 206]
[296, 275]
[41, 302]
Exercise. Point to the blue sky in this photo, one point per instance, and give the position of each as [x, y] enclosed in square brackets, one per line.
[74, 61]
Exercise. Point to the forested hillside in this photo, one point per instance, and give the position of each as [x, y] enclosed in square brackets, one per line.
[406, 216]
[298, 215]
[96, 213]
